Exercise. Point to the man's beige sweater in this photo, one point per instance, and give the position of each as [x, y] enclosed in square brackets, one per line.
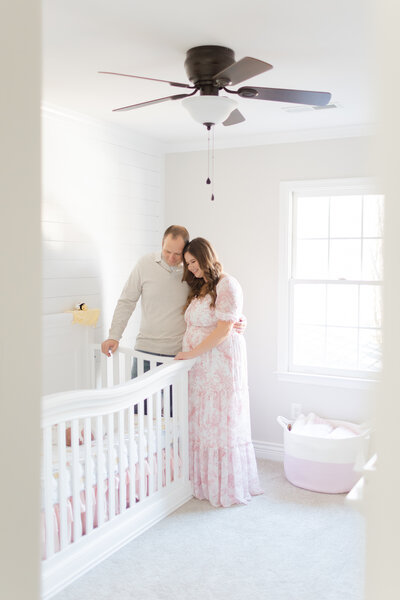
[163, 296]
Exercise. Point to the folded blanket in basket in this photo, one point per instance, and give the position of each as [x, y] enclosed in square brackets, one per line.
[316, 426]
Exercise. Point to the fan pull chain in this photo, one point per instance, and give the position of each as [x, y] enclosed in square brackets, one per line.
[210, 157]
[208, 180]
[212, 166]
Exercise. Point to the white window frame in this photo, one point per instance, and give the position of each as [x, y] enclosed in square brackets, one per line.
[359, 185]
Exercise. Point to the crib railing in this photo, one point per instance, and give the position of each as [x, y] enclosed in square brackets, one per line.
[116, 369]
[112, 450]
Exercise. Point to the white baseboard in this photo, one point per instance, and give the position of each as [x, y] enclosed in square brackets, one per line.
[65, 567]
[269, 450]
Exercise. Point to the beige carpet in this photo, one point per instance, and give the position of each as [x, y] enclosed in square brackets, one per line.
[289, 544]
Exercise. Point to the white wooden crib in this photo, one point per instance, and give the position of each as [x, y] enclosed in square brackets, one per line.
[125, 469]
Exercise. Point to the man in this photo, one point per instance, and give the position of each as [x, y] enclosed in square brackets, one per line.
[157, 280]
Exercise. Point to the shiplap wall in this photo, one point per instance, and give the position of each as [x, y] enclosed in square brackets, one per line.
[102, 208]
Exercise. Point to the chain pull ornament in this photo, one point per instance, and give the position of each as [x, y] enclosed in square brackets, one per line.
[210, 158]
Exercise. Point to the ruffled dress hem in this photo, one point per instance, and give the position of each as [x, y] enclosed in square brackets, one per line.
[224, 476]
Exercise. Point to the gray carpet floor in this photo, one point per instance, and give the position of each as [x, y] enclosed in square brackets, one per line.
[288, 544]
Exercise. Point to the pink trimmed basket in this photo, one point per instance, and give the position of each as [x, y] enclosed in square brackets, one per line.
[327, 465]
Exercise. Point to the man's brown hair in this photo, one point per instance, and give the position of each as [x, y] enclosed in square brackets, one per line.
[177, 231]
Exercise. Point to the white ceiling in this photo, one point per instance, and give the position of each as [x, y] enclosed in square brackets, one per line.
[314, 45]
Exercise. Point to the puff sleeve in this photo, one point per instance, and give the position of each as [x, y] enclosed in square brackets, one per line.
[229, 302]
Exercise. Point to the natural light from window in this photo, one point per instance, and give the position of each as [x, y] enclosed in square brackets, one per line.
[335, 284]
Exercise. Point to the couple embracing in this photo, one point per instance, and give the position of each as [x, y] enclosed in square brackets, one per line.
[192, 309]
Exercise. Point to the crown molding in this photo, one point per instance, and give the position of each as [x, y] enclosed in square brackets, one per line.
[152, 145]
[129, 136]
[279, 137]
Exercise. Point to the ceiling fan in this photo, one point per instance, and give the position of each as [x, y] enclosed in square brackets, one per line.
[214, 68]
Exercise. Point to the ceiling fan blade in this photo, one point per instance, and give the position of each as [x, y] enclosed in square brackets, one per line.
[241, 70]
[234, 118]
[149, 102]
[174, 83]
[281, 95]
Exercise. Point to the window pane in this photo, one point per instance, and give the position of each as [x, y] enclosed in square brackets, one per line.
[370, 306]
[345, 259]
[370, 350]
[309, 345]
[373, 216]
[311, 259]
[312, 217]
[372, 261]
[341, 347]
[336, 324]
[345, 216]
[309, 304]
[342, 305]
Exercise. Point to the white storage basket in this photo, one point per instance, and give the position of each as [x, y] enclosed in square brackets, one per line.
[323, 464]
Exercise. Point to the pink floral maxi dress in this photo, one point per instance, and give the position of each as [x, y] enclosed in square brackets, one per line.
[222, 462]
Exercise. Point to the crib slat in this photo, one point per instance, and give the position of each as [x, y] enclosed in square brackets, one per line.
[175, 431]
[110, 370]
[150, 442]
[122, 465]
[92, 367]
[48, 491]
[104, 370]
[153, 363]
[97, 359]
[159, 441]
[75, 478]
[115, 361]
[88, 475]
[167, 422]
[140, 366]
[100, 471]
[141, 450]
[111, 466]
[132, 456]
[62, 484]
[128, 367]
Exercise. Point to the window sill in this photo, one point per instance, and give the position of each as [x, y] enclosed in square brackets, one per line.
[327, 380]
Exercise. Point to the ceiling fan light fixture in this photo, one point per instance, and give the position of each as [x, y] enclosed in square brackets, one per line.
[209, 109]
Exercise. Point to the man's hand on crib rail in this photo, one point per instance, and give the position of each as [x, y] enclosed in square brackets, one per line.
[109, 345]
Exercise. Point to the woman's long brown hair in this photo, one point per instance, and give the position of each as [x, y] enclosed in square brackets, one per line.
[205, 255]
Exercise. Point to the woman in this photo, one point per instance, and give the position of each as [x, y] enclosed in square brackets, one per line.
[222, 462]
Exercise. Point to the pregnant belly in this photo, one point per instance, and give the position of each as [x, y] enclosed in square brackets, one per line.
[194, 336]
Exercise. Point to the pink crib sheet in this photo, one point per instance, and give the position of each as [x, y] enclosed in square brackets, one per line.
[95, 500]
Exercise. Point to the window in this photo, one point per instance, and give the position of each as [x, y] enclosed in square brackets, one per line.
[331, 279]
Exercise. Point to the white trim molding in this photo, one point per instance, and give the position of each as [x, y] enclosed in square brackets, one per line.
[328, 380]
[284, 373]
[275, 137]
[269, 450]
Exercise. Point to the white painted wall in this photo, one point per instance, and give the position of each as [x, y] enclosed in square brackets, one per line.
[102, 208]
[20, 299]
[242, 223]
